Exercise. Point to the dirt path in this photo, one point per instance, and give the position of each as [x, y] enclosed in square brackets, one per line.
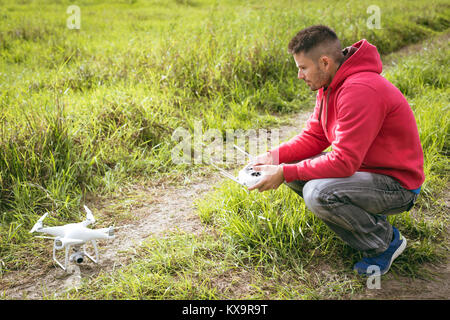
[405, 288]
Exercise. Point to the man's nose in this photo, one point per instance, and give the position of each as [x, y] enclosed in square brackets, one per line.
[301, 75]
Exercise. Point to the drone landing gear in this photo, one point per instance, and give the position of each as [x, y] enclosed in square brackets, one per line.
[77, 256]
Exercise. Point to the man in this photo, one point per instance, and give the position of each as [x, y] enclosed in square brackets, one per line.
[375, 167]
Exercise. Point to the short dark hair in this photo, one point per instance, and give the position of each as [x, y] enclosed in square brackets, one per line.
[309, 38]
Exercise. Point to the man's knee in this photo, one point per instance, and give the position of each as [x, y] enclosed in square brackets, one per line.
[312, 195]
[319, 198]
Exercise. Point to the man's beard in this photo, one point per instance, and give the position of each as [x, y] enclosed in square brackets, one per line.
[323, 80]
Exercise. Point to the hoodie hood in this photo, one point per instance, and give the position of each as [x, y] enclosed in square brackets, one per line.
[359, 57]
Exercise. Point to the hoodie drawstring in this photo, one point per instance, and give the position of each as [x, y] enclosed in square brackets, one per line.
[326, 107]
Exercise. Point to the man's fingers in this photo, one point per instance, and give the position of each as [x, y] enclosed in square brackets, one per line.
[266, 187]
[256, 186]
[258, 167]
[269, 179]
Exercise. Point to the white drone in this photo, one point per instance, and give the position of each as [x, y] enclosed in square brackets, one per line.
[74, 234]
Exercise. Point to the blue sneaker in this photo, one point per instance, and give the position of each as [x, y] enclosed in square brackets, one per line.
[367, 266]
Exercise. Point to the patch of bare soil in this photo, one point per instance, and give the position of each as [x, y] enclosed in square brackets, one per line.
[405, 288]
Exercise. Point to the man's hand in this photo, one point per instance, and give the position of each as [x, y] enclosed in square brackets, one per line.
[273, 177]
[262, 159]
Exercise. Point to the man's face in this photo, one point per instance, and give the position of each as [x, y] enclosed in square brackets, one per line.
[314, 73]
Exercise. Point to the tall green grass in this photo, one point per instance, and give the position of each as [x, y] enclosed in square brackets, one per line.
[92, 110]
[158, 271]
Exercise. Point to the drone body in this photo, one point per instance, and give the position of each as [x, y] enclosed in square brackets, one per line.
[76, 235]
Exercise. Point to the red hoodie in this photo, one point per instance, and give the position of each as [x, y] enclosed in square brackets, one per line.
[365, 119]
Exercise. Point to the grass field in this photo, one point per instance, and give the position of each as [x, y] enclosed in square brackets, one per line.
[91, 111]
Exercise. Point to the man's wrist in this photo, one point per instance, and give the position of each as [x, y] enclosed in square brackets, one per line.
[281, 169]
[269, 156]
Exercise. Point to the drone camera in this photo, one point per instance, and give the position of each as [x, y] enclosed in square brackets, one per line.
[77, 257]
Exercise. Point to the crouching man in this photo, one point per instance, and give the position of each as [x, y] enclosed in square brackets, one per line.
[375, 167]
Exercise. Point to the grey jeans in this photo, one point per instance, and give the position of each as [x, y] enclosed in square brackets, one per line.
[355, 207]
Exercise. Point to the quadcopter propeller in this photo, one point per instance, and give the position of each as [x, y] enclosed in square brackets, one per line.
[89, 216]
[38, 224]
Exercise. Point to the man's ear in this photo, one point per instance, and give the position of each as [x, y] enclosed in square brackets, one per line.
[325, 62]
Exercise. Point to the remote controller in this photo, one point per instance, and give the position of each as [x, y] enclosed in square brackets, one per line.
[249, 177]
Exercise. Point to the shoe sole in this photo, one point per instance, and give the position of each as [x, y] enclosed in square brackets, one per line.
[396, 254]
